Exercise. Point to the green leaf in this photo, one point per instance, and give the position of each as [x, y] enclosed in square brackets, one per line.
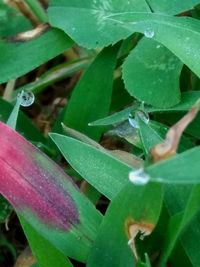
[193, 129]
[12, 21]
[45, 196]
[149, 137]
[107, 24]
[24, 125]
[87, 160]
[132, 207]
[155, 80]
[45, 253]
[126, 157]
[176, 198]
[187, 101]
[51, 76]
[101, 169]
[85, 25]
[113, 118]
[48, 45]
[155, 133]
[178, 222]
[190, 241]
[172, 6]
[106, 173]
[91, 97]
[5, 209]
[186, 165]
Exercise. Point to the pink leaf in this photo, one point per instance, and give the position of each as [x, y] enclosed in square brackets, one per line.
[33, 182]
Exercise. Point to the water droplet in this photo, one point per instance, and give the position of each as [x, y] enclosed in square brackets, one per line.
[132, 118]
[149, 33]
[26, 98]
[158, 46]
[139, 177]
[133, 122]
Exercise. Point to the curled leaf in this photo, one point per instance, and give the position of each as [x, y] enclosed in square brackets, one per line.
[169, 147]
[133, 229]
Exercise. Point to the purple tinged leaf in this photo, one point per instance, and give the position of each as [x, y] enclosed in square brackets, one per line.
[33, 182]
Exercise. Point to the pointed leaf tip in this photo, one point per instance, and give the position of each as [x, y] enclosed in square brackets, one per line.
[34, 183]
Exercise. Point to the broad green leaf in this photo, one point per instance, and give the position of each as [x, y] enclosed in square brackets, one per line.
[106, 173]
[91, 97]
[85, 25]
[132, 207]
[102, 170]
[45, 253]
[106, 25]
[45, 196]
[48, 45]
[155, 80]
[186, 165]
[172, 6]
[100, 164]
[187, 101]
[120, 97]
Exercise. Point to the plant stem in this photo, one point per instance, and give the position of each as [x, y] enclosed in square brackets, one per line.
[37, 9]
[55, 74]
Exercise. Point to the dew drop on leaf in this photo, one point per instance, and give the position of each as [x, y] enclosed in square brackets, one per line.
[133, 121]
[26, 99]
[139, 177]
[149, 33]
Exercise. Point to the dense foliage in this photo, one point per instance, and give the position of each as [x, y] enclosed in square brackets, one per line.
[99, 132]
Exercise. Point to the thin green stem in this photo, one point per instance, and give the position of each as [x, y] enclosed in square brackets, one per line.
[55, 74]
[37, 9]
